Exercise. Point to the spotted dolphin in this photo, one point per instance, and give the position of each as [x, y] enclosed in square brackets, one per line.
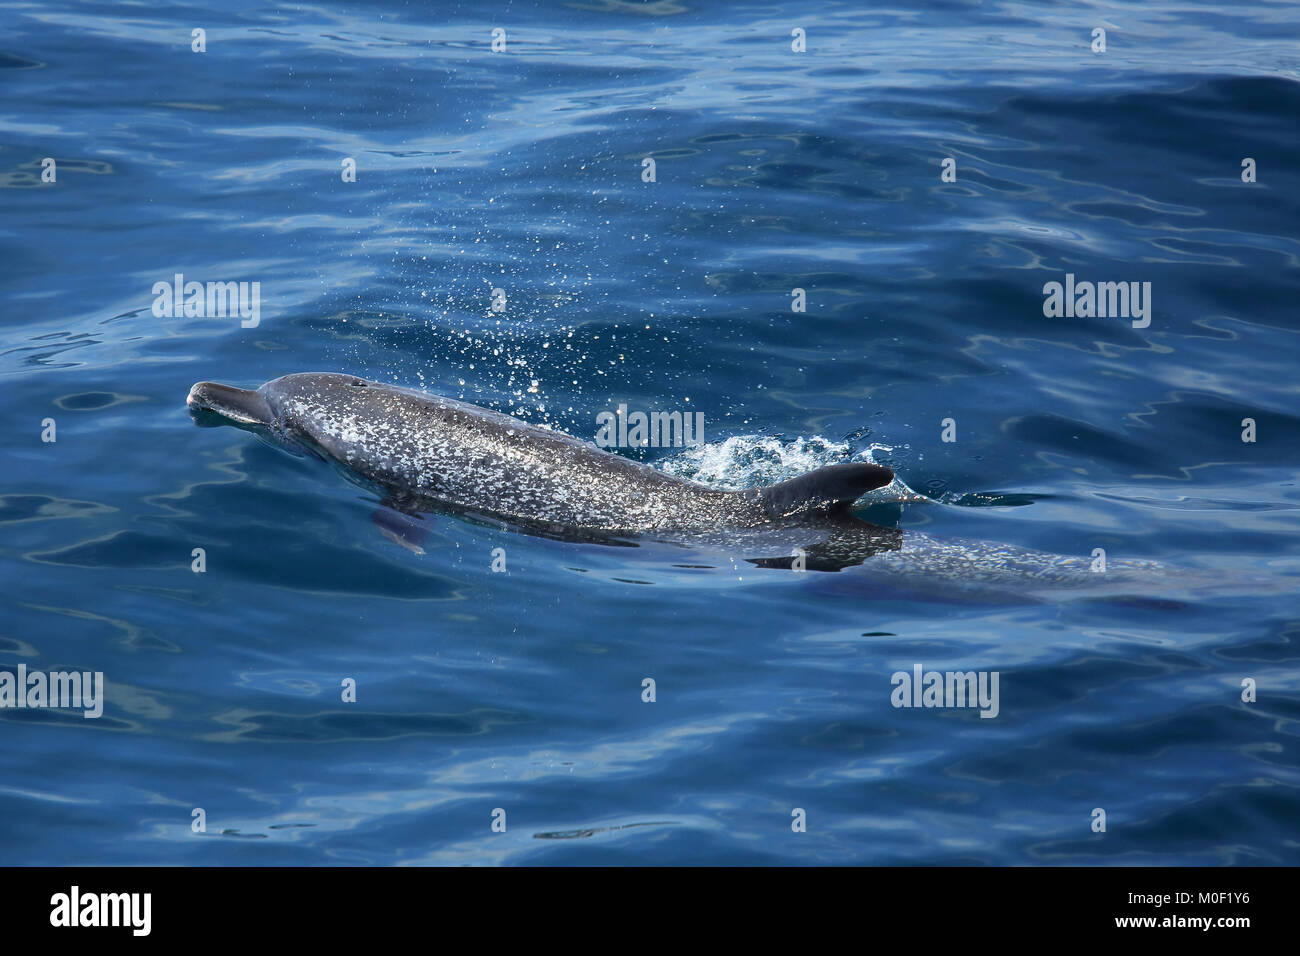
[423, 453]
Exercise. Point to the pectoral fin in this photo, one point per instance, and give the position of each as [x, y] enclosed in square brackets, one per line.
[401, 526]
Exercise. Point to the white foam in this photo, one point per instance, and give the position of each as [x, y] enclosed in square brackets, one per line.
[748, 461]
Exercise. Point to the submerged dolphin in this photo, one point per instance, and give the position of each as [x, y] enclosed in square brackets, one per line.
[424, 453]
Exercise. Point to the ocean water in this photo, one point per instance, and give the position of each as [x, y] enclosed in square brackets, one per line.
[517, 695]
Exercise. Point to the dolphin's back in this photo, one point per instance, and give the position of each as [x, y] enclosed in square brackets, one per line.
[474, 459]
[453, 454]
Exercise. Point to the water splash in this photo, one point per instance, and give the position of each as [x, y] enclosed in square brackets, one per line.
[748, 461]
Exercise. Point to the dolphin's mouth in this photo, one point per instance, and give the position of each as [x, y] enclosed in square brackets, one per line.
[213, 404]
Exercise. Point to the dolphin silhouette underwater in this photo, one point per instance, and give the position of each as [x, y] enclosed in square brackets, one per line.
[423, 454]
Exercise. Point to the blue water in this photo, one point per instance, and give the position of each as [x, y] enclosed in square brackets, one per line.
[775, 170]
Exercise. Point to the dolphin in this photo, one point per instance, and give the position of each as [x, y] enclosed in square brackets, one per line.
[423, 453]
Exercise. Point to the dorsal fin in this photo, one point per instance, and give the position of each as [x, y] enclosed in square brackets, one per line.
[822, 488]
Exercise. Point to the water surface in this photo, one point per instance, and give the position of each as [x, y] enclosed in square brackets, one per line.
[775, 170]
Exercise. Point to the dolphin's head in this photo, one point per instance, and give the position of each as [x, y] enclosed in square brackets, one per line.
[213, 404]
[297, 411]
[270, 406]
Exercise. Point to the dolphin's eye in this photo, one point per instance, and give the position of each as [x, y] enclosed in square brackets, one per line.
[358, 383]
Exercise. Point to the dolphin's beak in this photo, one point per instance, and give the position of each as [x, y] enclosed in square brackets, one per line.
[214, 404]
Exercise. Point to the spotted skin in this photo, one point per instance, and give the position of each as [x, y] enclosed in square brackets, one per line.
[426, 450]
